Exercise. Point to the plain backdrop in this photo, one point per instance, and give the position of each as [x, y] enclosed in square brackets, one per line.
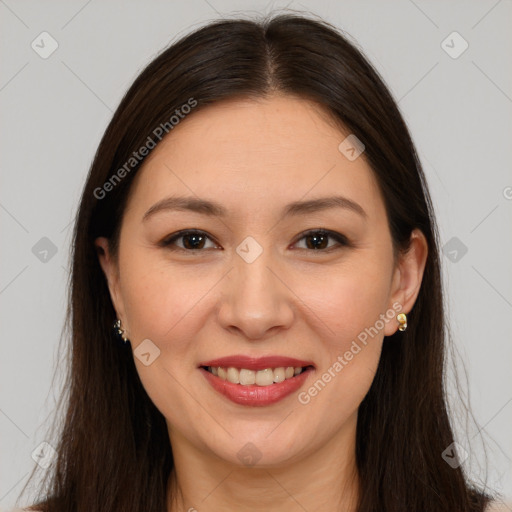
[458, 106]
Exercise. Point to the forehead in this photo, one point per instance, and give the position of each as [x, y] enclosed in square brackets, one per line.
[252, 154]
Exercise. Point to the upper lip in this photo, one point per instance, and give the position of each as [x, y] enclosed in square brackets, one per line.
[256, 363]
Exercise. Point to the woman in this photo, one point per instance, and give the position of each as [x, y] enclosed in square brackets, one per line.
[257, 228]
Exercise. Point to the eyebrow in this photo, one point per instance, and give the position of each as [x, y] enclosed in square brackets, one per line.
[213, 209]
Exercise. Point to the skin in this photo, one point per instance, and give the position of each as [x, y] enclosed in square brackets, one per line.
[254, 157]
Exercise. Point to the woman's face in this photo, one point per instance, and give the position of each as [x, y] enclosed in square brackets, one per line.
[255, 283]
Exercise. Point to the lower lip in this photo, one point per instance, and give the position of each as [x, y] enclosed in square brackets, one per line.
[256, 396]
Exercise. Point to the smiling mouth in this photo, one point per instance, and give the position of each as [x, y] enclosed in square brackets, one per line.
[266, 377]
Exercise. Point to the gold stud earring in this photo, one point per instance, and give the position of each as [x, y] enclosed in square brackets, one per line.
[402, 321]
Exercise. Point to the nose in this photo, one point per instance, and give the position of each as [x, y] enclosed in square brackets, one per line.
[256, 300]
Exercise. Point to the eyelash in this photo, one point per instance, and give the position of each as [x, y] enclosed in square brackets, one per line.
[338, 237]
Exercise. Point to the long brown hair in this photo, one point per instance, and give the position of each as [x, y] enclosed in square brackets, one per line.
[113, 447]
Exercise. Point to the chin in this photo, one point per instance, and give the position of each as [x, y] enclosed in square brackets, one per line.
[263, 447]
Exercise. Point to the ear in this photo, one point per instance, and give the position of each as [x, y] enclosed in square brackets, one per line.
[111, 271]
[407, 277]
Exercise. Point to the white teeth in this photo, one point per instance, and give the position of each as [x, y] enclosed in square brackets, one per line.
[279, 374]
[247, 377]
[265, 377]
[233, 375]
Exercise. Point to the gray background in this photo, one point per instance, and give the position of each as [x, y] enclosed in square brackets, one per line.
[54, 112]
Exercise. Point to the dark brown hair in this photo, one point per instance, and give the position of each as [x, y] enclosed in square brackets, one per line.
[113, 447]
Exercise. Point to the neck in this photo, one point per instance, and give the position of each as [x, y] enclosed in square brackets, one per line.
[325, 479]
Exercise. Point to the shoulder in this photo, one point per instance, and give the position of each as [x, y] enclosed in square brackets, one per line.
[499, 506]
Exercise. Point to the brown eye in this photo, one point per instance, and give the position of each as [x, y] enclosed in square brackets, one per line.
[191, 240]
[318, 240]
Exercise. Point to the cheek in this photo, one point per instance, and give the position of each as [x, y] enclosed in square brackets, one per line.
[157, 293]
[347, 300]
[350, 344]
[162, 302]
[165, 306]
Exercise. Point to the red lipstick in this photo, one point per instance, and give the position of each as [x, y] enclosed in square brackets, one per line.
[254, 395]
